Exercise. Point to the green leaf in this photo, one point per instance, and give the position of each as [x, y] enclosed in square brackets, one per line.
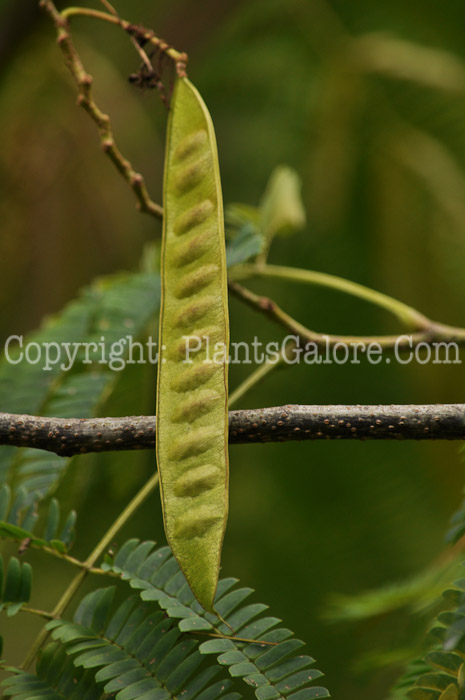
[17, 585]
[12, 581]
[56, 678]
[243, 230]
[94, 609]
[436, 676]
[9, 530]
[67, 535]
[244, 246]
[139, 653]
[217, 646]
[5, 497]
[282, 210]
[419, 592]
[111, 307]
[25, 586]
[51, 528]
[155, 573]
[194, 624]
[19, 505]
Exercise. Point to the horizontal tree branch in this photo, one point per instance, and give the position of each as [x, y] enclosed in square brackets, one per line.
[71, 436]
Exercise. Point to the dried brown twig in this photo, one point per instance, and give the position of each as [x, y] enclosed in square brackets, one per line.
[431, 333]
[83, 83]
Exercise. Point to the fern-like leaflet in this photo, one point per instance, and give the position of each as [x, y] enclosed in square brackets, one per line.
[440, 675]
[15, 585]
[18, 521]
[104, 314]
[56, 678]
[275, 672]
[133, 652]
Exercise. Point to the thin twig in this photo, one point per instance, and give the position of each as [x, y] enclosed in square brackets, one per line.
[232, 638]
[71, 560]
[145, 59]
[108, 6]
[406, 314]
[142, 33]
[35, 611]
[257, 376]
[96, 553]
[432, 333]
[262, 371]
[73, 436]
[83, 83]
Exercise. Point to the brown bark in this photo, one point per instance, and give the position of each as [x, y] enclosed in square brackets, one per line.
[67, 437]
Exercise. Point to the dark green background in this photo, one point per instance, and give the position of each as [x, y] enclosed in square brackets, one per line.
[384, 209]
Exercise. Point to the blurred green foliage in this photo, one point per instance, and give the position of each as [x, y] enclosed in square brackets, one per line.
[367, 102]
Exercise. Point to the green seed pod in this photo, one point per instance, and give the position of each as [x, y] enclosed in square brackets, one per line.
[192, 411]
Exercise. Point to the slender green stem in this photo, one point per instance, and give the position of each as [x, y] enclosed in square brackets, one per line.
[36, 611]
[75, 562]
[109, 7]
[432, 332]
[106, 540]
[261, 372]
[233, 638]
[122, 519]
[113, 19]
[88, 12]
[257, 376]
[407, 315]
